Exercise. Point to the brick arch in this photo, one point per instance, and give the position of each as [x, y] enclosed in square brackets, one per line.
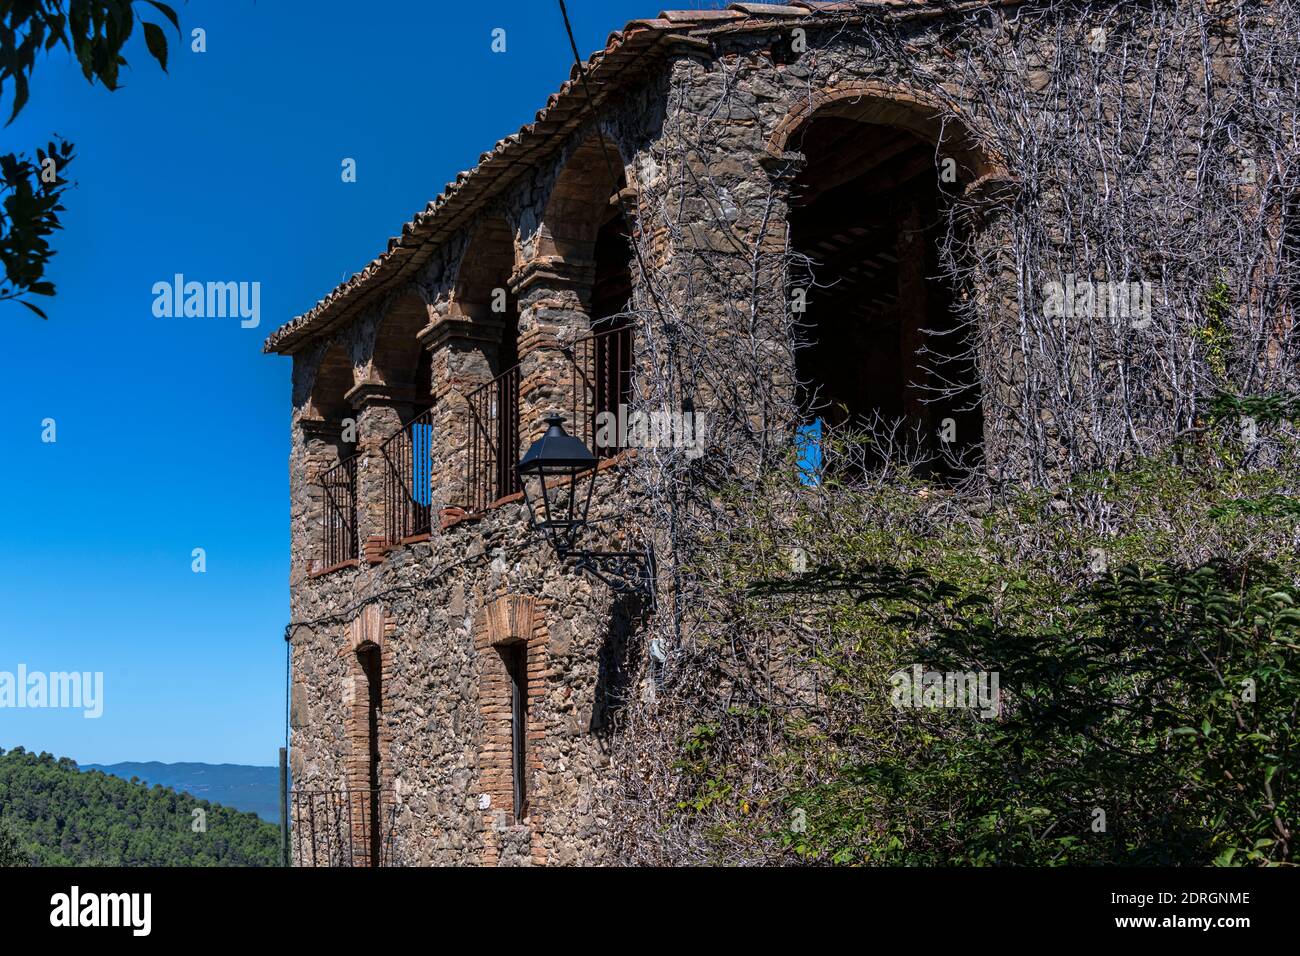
[395, 359]
[888, 104]
[366, 641]
[579, 203]
[882, 340]
[483, 299]
[512, 621]
[332, 382]
[509, 618]
[370, 626]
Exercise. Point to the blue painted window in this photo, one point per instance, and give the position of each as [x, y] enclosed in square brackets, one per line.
[421, 463]
[808, 442]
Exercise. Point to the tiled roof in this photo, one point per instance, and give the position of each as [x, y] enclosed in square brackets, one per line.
[624, 55]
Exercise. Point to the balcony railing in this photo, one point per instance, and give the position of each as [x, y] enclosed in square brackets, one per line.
[408, 484]
[493, 447]
[340, 519]
[343, 827]
[602, 381]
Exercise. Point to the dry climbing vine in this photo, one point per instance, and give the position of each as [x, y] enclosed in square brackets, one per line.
[1145, 143]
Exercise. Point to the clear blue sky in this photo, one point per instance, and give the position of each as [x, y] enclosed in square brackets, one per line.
[173, 433]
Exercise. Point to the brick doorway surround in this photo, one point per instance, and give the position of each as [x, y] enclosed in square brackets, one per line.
[510, 620]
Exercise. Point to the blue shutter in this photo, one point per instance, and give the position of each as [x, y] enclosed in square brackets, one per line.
[808, 443]
[421, 464]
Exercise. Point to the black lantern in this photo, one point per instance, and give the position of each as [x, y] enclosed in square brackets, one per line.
[558, 473]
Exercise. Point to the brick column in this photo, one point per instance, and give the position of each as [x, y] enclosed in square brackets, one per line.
[381, 409]
[554, 297]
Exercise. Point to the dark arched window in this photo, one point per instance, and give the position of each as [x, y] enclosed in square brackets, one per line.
[882, 348]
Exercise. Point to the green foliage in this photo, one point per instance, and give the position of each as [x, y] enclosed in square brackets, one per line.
[29, 214]
[1214, 333]
[1265, 409]
[1132, 702]
[56, 815]
[94, 30]
[1161, 690]
[11, 852]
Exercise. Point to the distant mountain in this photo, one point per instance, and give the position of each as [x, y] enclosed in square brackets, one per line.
[52, 814]
[240, 787]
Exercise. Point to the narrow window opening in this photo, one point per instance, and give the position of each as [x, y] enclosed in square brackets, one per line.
[516, 661]
[370, 660]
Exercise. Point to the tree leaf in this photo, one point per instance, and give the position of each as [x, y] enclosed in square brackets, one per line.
[156, 41]
[33, 308]
[168, 12]
[20, 95]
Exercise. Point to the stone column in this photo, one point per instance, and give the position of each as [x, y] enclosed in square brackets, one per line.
[381, 410]
[316, 448]
[554, 298]
[782, 171]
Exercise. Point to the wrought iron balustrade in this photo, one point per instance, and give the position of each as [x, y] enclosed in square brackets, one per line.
[493, 441]
[408, 482]
[602, 382]
[339, 485]
[343, 827]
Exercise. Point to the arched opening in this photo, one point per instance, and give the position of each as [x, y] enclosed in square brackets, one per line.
[585, 225]
[399, 359]
[370, 701]
[329, 389]
[484, 296]
[405, 367]
[582, 201]
[883, 348]
[611, 343]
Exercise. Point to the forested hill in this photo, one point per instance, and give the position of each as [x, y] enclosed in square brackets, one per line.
[56, 815]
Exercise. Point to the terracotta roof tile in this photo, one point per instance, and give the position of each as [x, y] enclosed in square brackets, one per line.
[442, 215]
[829, 6]
[769, 10]
[697, 16]
[634, 26]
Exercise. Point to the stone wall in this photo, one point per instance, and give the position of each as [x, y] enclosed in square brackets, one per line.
[447, 603]
[704, 145]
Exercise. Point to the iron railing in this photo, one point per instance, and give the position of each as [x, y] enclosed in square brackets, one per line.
[408, 483]
[493, 446]
[340, 486]
[343, 827]
[602, 382]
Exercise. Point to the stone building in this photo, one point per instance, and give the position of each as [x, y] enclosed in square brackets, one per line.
[453, 681]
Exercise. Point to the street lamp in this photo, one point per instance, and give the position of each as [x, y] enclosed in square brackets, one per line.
[558, 476]
[558, 473]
